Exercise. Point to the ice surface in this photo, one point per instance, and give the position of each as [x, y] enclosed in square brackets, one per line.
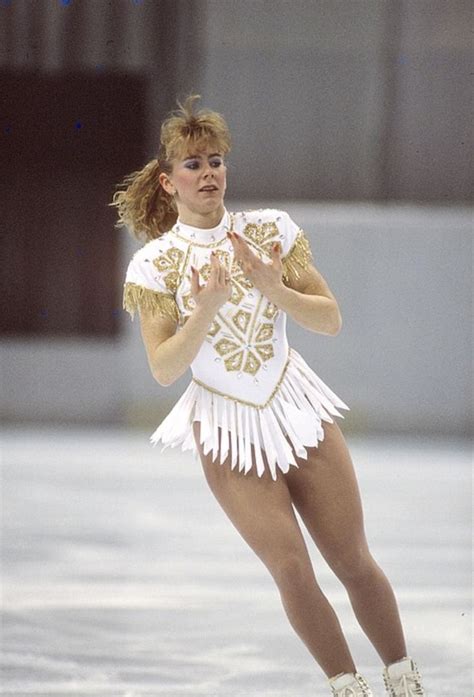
[124, 578]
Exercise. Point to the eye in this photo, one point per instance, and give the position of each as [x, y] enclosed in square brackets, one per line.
[216, 163]
[192, 165]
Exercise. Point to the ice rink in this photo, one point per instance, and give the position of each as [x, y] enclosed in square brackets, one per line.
[124, 578]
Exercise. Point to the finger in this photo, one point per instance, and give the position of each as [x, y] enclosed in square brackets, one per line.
[195, 287]
[215, 266]
[222, 273]
[276, 251]
[243, 250]
[238, 248]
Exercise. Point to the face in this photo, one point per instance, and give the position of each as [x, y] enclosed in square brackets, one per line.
[197, 182]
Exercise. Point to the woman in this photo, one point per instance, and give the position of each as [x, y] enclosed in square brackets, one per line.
[213, 289]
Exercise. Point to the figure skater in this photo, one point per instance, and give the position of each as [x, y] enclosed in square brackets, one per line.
[213, 289]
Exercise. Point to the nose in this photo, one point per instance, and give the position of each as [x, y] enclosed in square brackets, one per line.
[208, 169]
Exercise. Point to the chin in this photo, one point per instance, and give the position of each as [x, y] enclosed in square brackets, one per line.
[213, 205]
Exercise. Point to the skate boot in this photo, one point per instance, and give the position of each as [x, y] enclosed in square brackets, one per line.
[402, 679]
[350, 685]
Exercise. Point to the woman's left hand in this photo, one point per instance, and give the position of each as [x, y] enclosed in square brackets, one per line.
[265, 277]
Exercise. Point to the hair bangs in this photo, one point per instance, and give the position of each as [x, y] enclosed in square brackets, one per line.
[195, 141]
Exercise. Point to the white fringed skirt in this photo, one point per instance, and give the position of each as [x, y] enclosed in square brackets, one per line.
[296, 409]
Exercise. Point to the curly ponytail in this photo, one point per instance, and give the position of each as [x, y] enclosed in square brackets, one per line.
[143, 205]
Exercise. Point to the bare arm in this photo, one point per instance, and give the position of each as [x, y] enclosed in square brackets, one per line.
[170, 358]
[309, 302]
[307, 297]
[170, 353]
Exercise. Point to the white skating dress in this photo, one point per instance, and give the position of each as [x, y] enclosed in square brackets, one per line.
[245, 378]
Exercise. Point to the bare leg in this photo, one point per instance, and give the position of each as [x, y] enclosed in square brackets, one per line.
[261, 510]
[325, 492]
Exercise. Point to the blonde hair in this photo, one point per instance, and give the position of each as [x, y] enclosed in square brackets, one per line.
[143, 205]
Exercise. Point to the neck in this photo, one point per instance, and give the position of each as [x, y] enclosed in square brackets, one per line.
[202, 220]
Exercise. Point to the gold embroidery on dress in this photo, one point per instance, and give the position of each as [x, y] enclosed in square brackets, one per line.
[265, 332]
[223, 257]
[243, 350]
[257, 310]
[188, 302]
[247, 348]
[263, 235]
[234, 362]
[224, 346]
[215, 326]
[240, 283]
[198, 244]
[265, 351]
[169, 264]
[242, 401]
[241, 320]
[239, 277]
[270, 310]
[252, 364]
[299, 257]
[205, 269]
[231, 328]
[237, 295]
[137, 297]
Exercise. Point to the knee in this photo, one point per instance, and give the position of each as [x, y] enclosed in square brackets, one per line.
[352, 565]
[292, 570]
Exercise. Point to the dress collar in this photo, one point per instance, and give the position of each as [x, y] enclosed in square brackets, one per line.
[204, 236]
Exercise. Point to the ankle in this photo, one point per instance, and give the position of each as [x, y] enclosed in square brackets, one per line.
[395, 660]
[351, 671]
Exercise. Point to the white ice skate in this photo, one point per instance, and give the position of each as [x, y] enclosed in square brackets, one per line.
[402, 679]
[350, 685]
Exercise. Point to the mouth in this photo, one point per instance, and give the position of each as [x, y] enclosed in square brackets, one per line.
[209, 189]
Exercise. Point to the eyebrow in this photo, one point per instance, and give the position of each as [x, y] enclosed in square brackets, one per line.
[198, 157]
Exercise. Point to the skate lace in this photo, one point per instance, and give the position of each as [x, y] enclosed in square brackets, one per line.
[408, 685]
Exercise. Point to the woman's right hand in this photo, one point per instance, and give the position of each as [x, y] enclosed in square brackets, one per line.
[218, 288]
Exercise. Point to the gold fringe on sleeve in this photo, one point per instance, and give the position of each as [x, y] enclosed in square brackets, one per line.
[299, 257]
[136, 297]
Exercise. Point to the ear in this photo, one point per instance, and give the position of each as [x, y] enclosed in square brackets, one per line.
[166, 184]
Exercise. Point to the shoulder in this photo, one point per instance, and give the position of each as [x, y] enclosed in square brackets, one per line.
[151, 250]
[157, 255]
[150, 279]
[151, 264]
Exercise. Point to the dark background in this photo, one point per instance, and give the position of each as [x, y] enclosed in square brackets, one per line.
[331, 100]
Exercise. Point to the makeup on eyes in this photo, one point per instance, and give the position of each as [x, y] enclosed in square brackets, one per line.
[197, 160]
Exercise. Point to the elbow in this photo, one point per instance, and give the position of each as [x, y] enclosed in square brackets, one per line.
[337, 324]
[162, 379]
[159, 375]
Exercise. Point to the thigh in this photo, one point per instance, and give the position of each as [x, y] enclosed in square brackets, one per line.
[325, 492]
[260, 508]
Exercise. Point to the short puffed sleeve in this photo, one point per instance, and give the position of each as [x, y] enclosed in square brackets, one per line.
[145, 288]
[296, 254]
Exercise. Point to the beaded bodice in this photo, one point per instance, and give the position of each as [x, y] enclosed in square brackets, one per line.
[246, 349]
